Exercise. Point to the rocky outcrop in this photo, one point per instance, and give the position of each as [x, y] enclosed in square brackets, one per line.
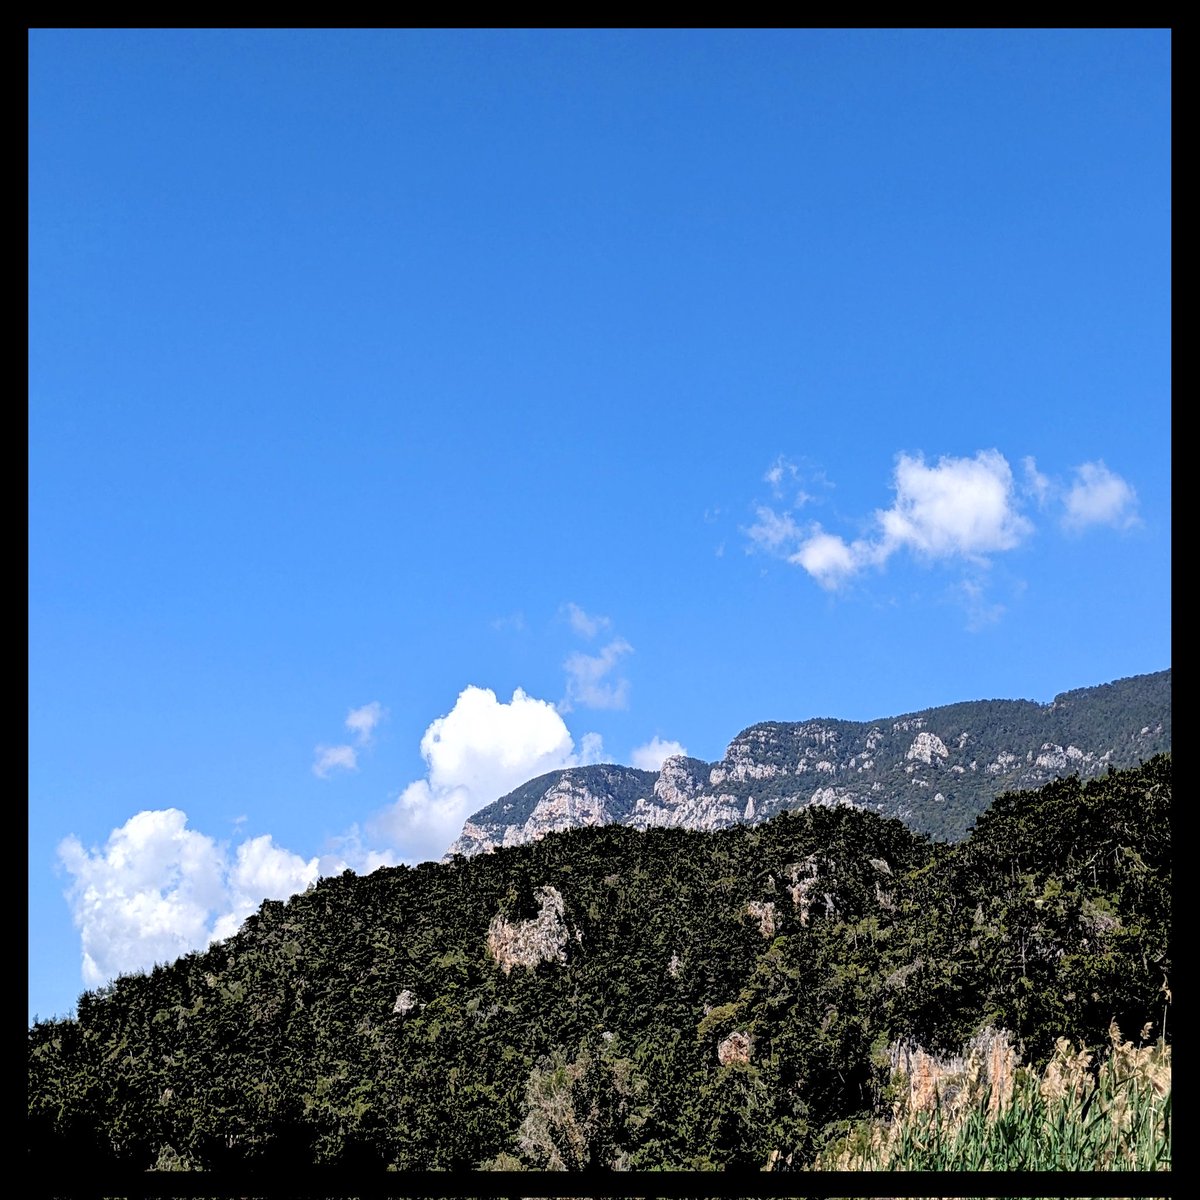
[406, 1002]
[736, 1048]
[527, 943]
[764, 912]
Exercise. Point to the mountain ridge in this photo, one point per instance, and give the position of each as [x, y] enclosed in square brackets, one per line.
[936, 768]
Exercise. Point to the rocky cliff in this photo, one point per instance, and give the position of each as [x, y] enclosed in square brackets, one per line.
[936, 769]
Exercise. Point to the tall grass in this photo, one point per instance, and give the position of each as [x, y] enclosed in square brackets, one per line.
[983, 1112]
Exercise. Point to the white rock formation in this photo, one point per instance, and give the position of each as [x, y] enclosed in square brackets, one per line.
[527, 943]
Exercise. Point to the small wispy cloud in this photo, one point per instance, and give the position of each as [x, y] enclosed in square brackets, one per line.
[514, 621]
[591, 750]
[980, 611]
[334, 758]
[829, 559]
[772, 531]
[362, 721]
[583, 623]
[782, 470]
[1099, 497]
[1037, 485]
[592, 680]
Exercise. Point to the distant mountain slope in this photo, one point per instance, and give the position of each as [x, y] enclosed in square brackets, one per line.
[936, 769]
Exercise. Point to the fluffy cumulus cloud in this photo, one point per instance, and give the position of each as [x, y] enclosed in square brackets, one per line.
[1099, 496]
[593, 680]
[654, 753]
[829, 559]
[157, 889]
[962, 506]
[261, 870]
[474, 754]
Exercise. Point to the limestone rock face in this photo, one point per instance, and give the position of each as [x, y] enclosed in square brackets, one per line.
[736, 1048]
[926, 746]
[405, 1003]
[682, 797]
[764, 911]
[527, 943]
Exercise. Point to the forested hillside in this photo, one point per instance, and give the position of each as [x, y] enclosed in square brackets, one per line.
[610, 997]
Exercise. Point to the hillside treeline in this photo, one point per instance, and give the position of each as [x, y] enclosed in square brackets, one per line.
[606, 997]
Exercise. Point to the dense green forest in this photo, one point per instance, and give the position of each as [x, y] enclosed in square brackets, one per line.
[610, 997]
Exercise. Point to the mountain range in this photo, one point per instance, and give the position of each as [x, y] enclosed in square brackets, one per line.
[936, 769]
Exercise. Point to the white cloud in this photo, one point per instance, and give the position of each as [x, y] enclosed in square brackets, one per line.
[362, 721]
[980, 613]
[591, 749]
[351, 850]
[779, 470]
[483, 744]
[583, 623]
[654, 753]
[157, 889]
[1037, 485]
[588, 678]
[334, 758]
[963, 506]
[1099, 497]
[785, 476]
[773, 532]
[261, 870]
[475, 754]
[829, 559]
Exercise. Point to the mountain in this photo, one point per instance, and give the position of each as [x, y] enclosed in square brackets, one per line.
[936, 769]
[609, 998]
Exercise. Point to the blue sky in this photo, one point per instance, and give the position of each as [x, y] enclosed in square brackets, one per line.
[414, 411]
